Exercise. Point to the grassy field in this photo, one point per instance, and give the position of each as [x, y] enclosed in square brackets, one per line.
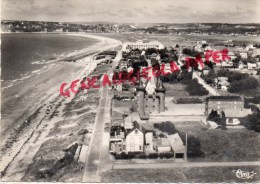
[223, 145]
[178, 90]
[184, 175]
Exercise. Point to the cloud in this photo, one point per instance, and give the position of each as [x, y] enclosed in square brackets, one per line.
[175, 11]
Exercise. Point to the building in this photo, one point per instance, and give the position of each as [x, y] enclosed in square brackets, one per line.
[141, 140]
[224, 103]
[222, 83]
[162, 145]
[177, 145]
[150, 97]
[134, 140]
[232, 55]
[243, 55]
[141, 45]
[128, 120]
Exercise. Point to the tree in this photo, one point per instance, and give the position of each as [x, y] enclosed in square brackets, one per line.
[253, 122]
[166, 127]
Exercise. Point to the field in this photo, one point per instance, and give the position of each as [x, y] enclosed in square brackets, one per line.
[223, 145]
[178, 90]
[184, 175]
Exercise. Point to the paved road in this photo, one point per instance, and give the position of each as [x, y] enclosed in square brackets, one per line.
[183, 164]
[99, 145]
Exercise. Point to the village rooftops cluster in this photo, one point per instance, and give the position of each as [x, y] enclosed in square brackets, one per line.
[131, 136]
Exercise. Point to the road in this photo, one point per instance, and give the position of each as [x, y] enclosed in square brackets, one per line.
[203, 83]
[98, 153]
[183, 164]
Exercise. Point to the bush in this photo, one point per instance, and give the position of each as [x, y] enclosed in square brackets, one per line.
[249, 83]
[166, 155]
[238, 81]
[196, 89]
[153, 155]
[166, 127]
[194, 147]
[253, 122]
[141, 156]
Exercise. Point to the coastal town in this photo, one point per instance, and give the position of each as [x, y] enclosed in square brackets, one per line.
[149, 125]
[156, 102]
[100, 96]
[107, 27]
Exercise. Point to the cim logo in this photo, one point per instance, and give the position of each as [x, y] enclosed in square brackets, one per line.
[243, 175]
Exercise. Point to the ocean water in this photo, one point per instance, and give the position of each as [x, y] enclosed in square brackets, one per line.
[25, 53]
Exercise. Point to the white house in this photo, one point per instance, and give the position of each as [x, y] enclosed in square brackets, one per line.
[223, 82]
[135, 140]
[224, 85]
[243, 55]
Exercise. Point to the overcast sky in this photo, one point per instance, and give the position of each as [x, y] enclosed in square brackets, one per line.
[134, 11]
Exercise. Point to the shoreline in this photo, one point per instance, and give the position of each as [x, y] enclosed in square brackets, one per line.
[20, 101]
[45, 63]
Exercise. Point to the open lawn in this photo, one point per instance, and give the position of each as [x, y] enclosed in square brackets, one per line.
[223, 145]
[184, 175]
[176, 90]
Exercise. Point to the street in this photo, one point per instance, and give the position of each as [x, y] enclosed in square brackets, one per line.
[99, 144]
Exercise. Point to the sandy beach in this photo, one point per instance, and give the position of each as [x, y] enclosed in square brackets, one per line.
[24, 105]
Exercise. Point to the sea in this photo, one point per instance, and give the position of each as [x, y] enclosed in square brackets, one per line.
[23, 54]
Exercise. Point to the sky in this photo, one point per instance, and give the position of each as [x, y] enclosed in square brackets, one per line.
[133, 11]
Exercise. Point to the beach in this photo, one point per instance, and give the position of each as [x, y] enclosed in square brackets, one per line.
[25, 103]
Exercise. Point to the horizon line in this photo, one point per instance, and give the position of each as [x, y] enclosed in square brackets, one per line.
[130, 22]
